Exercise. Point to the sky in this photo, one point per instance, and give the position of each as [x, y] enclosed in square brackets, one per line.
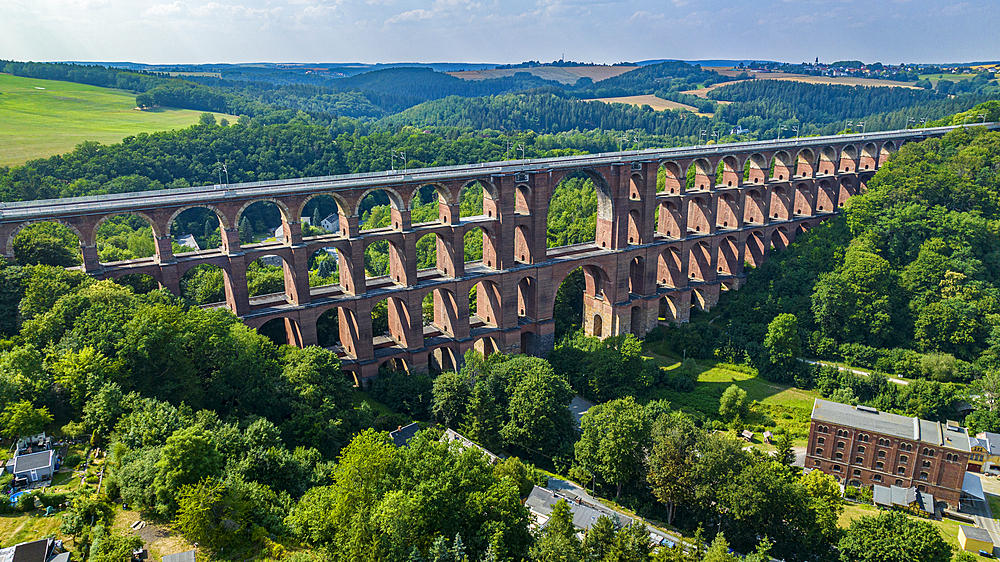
[498, 31]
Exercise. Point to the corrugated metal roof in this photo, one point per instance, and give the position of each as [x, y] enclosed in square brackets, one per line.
[180, 557]
[903, 427]
[542, 501]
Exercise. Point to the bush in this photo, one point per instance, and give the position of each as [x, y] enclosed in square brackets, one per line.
[25, 502]
[52, 499]
[72, 460]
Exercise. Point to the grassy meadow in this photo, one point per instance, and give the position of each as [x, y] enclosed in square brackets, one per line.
[41, 118]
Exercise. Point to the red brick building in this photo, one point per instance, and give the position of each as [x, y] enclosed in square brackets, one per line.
[862, 446]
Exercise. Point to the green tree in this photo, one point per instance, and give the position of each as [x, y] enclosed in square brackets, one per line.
[82, 374]
[892, 536]
[539, 419]
[21, 419]
[556, 541]
[782, 340]
[212, 515]
[674, 439]
[188, 456]
[733, 403]
[47, 243]
[246, 231]
[718, 551]
[600, 538]
[614, 441]
[452, 392]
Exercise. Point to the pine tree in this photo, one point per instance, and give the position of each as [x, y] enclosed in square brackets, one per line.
[246, 231]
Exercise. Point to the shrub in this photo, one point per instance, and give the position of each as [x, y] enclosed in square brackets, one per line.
[72, 460]
[52, 499]
[25, 502]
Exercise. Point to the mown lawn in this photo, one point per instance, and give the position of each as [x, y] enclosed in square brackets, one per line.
[781, 405]
[947, 527]
[41, 118]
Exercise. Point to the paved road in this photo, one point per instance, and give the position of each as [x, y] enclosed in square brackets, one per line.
[855, 371]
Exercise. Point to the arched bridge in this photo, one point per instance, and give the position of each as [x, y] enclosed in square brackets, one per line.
[657, 252]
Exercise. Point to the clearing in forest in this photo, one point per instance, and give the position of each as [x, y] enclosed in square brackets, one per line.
[40, 118]
[659, 104]
[787, 77]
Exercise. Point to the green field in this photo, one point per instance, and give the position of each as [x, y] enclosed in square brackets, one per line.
[788, 407]
[41, 118]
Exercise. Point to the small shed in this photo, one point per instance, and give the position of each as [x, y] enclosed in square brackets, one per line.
[747, 435]
[974, 539]
[33, 467]
[768, 436]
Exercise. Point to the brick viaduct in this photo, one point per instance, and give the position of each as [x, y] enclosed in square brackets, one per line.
[657, 253]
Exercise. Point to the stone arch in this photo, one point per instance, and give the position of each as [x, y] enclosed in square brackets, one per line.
[395, 199]
[673, 179]
[669, 221]
[779, 203]
[432, 246]
[605, 205]
[634, 228]
[754, 211]
[847, 190]
[728, 261]
[869, 157]
[81, 240]
[827, 161]
[392, 324]
[704, 174]
[598, 326]
[825, 197]
[531, 343]
[637, 275]
[802, 228]
[490, 190]
[732, 174]
[670, 268]
[667, 309]
[199, 285]
[344, 209]
[223, 220]
[282, 330]
[805, 163]
[802, 204]
[269, 274]
[92, 239]
[445, 315]
[635, 322]
[384, 258]
[727, 210]
[324, 267]
[286, 213]
[605, 198]
[699, 213]
[347, 326]
[756, 167]
[780, 238]
[443, 193]
[397, 364]
[527, 298]
[522, 245]
[756, 250]
[635, 187]
[595, 281]
[485, 245]
[782, 166]
[489, 303]
[522, 199]
[700, 261]
[886, 151]
[848, 158]
[698, 300]
[486, 345]
[140, 283]
[443, 358]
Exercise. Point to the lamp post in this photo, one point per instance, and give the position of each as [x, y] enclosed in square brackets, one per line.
[222, 168]
[796, 129]
[863, 125]
[909, 120]
[716, 135]
[781, 129]
[703, 131]
[983, 117]
[401, 154]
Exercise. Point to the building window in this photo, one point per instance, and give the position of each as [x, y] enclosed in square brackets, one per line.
[861, 448]
[880, 465]
[859, 460]
[922, 488]
[836, 468]
[840, 456]
[820, 441]
[903, 459]
[926, 464]
[901, 470]
[857, 473]
[823, 429]
[819, 451]
[816, 463]
[923, 476]
[877, 478]
[907, 447]
[881, 454]
[864, 438]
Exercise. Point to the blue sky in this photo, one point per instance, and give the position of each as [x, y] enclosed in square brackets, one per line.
[200, 31]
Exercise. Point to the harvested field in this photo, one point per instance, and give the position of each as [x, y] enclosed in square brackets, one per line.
[656, 103]
[841, 80]
[564, 74]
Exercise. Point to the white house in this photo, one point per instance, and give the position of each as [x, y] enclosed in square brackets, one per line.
[33, 466]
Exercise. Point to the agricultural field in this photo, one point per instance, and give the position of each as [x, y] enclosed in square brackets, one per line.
[934, 78]
[656, 103]
[41, 118]
[841, 80]
[564, 74]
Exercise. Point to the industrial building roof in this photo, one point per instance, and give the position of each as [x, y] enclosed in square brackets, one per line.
[904, 427]
[542, 501]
